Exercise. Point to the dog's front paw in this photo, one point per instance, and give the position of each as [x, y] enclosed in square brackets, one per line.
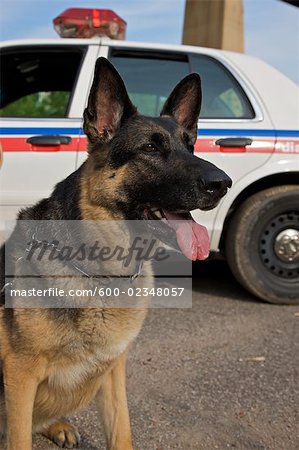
[63, 434]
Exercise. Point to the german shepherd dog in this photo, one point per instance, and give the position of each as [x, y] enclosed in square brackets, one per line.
[55, 361]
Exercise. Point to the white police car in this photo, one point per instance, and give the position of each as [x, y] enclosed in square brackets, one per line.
[248, 127]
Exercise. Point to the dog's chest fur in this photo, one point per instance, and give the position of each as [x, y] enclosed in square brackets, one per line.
[69, 376]
[99, 340]
[84, 365]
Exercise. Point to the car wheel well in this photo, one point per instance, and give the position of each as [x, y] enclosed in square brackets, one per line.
[278, 179]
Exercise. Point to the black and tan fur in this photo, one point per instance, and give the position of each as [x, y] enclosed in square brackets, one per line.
[55, 361]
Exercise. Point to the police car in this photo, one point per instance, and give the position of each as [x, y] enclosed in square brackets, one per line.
[248, 127]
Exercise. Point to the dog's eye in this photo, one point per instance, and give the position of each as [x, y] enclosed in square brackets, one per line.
[150, 148]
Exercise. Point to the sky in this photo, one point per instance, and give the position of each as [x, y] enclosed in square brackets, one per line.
[271, 26]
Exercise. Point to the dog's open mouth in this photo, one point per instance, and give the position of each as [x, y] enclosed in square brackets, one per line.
[179, 231]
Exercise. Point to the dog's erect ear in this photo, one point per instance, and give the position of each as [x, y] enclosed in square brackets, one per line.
[184, 102]
[108, 103]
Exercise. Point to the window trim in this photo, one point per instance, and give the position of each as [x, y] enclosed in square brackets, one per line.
[171, 55]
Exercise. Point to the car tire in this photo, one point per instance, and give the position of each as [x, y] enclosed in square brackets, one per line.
[262, 244]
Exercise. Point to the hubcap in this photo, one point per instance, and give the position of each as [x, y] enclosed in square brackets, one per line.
[286, 245]
[279, 245]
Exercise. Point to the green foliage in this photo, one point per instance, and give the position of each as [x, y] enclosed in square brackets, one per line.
[233, 102]
[41, 104]
[148, 104]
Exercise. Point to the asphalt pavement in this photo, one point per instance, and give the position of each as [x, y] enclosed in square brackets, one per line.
[221, 375]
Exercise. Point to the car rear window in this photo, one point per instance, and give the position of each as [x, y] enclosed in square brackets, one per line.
[223, 97]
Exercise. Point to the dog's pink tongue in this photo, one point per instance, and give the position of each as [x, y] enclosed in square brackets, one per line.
[192, 237]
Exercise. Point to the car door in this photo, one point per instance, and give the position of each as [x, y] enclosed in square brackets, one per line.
[234, 132]
[40, 127]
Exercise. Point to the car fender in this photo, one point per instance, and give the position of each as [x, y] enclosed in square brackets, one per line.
[275, 165]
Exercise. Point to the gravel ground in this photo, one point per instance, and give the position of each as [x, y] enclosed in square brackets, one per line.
[223, 374]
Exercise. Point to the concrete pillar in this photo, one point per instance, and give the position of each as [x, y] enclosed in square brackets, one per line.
[214, 23]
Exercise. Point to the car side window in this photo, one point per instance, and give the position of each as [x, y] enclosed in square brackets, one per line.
[38, 81]
[149, 77]
[223, 97]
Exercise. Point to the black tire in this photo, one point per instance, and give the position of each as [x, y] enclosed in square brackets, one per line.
[250, 244]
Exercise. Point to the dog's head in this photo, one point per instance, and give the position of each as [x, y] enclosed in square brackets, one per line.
[146, 165]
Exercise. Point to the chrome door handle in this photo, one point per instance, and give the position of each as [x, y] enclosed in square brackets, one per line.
[49, 141]
[234, 142]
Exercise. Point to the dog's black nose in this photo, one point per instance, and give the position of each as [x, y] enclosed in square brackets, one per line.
[216, 182]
